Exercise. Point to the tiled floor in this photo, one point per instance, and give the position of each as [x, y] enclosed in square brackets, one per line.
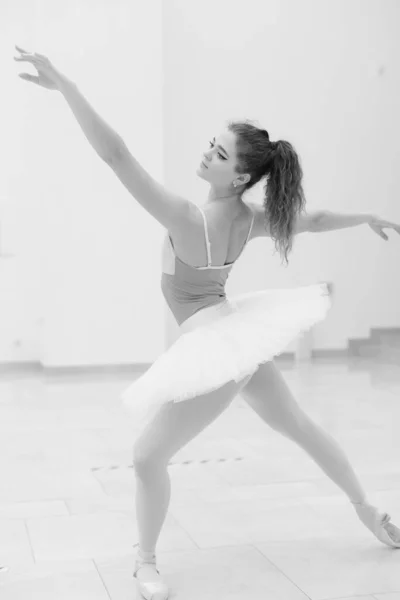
[258, 519]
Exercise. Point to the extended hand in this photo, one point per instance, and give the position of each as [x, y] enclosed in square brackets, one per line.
[48, 76]
[377, 225]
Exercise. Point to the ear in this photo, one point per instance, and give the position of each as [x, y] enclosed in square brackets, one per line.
[243, 179]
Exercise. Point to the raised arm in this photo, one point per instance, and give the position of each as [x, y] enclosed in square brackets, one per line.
[171, 210]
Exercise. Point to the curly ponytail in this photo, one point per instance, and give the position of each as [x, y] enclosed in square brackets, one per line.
[279, 163]
[284, 195]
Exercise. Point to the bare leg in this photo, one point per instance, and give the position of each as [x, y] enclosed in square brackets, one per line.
[172, 427]
[270, 397]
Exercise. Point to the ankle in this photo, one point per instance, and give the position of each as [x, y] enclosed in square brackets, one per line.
[146, 554]
[360, 501]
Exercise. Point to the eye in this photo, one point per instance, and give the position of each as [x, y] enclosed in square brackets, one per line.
[219, 154]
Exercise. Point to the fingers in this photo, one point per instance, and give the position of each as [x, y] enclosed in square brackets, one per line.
[21, 49]
[27, 77]
[25, 54]
[382, 234]
[23, 58]
[29, 56]
[392, 226]
[389, 225]
[378, 231]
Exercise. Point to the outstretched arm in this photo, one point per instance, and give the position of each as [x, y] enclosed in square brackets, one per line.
[101, 136]
[171, 210]
[326, 220]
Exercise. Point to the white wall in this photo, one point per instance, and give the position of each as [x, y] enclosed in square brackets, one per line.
[89, 251]
[83, 286]
[324, 75]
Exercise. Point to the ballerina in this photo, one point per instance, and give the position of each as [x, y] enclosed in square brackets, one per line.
[227, 345]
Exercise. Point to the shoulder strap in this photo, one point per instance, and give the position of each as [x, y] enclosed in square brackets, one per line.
[208, 245]
[251, 227]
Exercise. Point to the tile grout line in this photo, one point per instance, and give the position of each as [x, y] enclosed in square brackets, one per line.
[101, 578]
[69, 513]
[29, 540]
[280, 571]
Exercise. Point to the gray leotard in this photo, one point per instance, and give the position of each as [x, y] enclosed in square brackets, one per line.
[188, 289]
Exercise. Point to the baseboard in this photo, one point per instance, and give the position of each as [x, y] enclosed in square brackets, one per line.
[356, 345]
[20, 367]
[37, 367]
[377, 332]
[330, 353]
[116, 369]
[285, 356]
[126, 369]
[316, 354]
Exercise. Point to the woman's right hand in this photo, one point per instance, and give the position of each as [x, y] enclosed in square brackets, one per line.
[48, 76]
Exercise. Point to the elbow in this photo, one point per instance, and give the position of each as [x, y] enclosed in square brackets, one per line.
[317, 223]
[114, 153]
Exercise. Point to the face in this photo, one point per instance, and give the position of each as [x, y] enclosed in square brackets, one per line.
[219, 161]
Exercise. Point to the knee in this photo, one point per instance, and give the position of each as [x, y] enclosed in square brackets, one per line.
[146, 463]
[299, 427]
[291, 425]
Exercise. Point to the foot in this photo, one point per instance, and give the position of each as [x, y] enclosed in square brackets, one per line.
[149, 582]
[378, 523]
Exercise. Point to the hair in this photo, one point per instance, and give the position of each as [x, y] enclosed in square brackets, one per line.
[279, 163]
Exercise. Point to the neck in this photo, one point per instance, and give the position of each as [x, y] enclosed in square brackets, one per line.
[224, 196]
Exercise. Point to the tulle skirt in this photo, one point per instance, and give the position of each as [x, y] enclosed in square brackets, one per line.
[226, 342]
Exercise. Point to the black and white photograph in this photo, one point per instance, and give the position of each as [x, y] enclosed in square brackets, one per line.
[200, 300]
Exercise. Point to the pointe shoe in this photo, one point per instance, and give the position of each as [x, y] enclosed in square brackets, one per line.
[153, 588]
[378, 523]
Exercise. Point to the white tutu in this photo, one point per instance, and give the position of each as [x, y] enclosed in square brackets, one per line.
[226, 342]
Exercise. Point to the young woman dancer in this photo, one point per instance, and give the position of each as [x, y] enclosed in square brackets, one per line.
[226, 345]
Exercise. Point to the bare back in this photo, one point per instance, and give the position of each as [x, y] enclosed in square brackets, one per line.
[227, 234]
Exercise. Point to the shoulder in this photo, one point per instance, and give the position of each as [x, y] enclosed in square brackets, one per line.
[221, 220]
[260, 224]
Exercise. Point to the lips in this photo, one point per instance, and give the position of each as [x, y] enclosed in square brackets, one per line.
[204, 165]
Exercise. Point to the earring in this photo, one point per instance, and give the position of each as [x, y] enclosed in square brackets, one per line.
[234, 184]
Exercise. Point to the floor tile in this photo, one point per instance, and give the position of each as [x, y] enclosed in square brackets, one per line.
[251, 515]
[56, 581]
[233, 573]
[334, 568]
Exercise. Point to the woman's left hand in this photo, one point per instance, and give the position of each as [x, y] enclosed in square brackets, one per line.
[377, 225]
[48, 76]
